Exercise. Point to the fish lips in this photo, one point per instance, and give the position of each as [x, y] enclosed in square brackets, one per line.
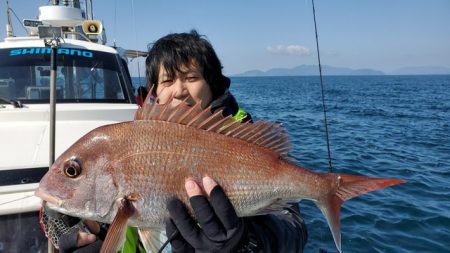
[48, 198]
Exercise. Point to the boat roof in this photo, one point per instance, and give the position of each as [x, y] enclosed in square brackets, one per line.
[35, 41]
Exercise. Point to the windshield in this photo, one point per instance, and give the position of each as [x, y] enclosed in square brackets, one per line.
[82, 76]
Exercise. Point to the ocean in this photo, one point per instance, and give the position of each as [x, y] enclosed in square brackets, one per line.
[379, 126]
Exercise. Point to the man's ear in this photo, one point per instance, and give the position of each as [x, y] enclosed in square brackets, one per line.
[226, 81]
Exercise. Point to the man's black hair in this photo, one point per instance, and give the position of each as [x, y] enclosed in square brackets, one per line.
[178, 50]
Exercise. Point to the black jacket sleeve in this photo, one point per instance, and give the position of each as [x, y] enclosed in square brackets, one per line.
[284, 231]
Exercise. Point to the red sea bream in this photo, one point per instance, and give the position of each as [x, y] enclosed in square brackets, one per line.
[147, 160]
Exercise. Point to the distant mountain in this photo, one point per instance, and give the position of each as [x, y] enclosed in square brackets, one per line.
[311, 70]
[252, 73]
[422, 70]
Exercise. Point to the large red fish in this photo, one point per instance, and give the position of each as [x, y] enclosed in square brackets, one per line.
[146, 162]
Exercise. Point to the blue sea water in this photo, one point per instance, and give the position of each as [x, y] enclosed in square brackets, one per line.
[379, 126]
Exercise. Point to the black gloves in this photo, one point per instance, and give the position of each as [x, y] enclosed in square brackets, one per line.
[218, 228]
[76, 241]
[67, 243]
[71, 234]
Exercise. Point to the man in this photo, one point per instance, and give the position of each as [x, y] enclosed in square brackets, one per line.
[184, 68]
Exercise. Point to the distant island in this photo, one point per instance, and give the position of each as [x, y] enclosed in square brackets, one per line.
[312, 70]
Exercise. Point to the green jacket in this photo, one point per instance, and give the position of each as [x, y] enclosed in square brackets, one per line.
[132, 243]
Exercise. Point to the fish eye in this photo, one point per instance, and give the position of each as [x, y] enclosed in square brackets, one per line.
[72, 168]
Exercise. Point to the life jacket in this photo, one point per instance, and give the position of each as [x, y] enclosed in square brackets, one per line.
[132, 243]
[228, 104]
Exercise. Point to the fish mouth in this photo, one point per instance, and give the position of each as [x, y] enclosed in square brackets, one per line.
[48, 198]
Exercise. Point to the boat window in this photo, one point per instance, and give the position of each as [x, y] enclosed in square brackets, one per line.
[82, 76]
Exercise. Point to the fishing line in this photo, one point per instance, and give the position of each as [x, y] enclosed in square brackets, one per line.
[115, 23]
[169, 239]
[135, 41]
[7, 202]
[18, 20]
[92, 10]
[321, 87]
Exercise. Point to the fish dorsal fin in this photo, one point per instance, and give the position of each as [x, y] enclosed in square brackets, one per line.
[263, 133]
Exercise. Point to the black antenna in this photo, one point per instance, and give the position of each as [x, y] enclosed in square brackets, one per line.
[321, 87]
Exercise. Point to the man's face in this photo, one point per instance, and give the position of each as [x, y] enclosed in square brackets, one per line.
[188, 85]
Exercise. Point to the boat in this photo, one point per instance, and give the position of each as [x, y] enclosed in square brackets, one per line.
[92, 87]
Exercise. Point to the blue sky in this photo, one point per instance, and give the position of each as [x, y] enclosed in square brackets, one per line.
[262, 34]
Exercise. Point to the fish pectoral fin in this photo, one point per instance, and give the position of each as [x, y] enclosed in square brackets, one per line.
[153, 239]
[116, 232]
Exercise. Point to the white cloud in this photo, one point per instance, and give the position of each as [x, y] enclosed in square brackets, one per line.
[289, 50]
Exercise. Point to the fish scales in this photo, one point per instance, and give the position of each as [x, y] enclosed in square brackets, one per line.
[154, 160]
[147, 161]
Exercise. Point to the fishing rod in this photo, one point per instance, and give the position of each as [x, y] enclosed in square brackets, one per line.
[330, 167]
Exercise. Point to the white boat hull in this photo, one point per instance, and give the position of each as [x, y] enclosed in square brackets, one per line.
[24, 155]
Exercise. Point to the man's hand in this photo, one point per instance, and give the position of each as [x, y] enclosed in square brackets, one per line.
[217, 227]
[81, 242]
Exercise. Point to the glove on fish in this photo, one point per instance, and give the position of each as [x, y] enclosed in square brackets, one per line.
[68, 244]
[219, 229]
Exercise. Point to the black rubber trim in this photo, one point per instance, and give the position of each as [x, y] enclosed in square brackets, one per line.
[22, 176]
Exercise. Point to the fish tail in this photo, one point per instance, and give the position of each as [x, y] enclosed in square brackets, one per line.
[349, 186]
